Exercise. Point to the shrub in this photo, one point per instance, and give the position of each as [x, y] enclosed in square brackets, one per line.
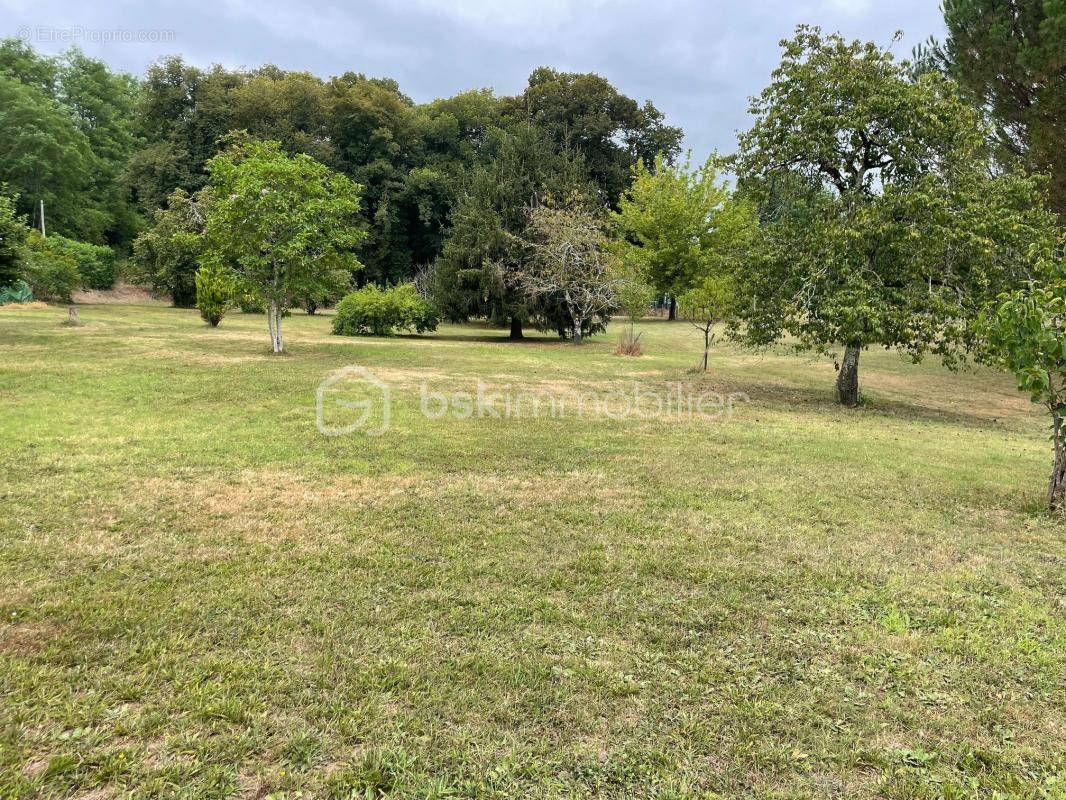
[216, 293]
[52, 275]
[380, 312]
[95, 263]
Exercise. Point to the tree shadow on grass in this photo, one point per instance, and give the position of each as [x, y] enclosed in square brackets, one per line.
[802, 399]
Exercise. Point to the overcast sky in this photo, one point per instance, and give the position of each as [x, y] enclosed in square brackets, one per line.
[697, 61]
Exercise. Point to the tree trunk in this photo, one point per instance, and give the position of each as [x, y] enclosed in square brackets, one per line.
[311, 307]
[673, 308]
[577, 330]
[848, 377]
[706, 347]
[274, 312]
[516, 328]
[1056, 490]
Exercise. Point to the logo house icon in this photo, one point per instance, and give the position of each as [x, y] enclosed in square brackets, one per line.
[352, 399]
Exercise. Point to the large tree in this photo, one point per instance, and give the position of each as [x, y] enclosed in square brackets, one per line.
[46, 157]
[1010, 58]
[476, 274]
[67, 126]
[897, 237]
[286, 224]
[611, 131]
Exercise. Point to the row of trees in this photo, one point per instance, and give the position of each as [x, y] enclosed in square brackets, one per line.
[106, 152]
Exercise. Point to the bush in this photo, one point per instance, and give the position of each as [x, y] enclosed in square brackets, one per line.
[380, 312]
[51, 275]
[216, 292]
[96, 264]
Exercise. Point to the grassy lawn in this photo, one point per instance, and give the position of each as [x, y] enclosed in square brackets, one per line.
[203, 596]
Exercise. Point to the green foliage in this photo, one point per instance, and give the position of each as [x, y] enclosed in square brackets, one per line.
[1025, 332]
[633, 293]
[666, 220]
[167, 256]
[568, 262]
[848, 116]
[68, 132]
[1008, 57]
[216, 293]
[610, 131]
[888, 229]
[52, 273]
[13, 233]
[287, 225]
[95, 263]
[47, 157]
[250, 303]
[476, 274]
[379, 312]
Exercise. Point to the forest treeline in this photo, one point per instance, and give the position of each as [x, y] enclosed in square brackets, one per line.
[104, 150]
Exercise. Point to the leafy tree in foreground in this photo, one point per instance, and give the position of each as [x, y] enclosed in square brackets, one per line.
[1026, 334]
[569, 261]
[901, 237]
[666, 219]
[287, 225]
[167, 256]
[13, 232]
[1010, 58]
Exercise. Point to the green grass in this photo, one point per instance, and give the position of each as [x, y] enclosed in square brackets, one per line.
[202, 596]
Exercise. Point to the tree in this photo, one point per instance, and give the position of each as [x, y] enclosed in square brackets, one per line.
[103, 104]
[13, 232]
[167, 256]
[1008, 57]
[716, 296]
[877, 252]
[568, 260]
[476, 274]
[286, 224]
[666, 219]
[584, 112]
[69, 134]
[46, 157]
[1026, 334]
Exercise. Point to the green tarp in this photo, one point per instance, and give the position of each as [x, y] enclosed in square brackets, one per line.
[19, 293]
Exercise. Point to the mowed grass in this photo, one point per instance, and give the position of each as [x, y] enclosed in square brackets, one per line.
[203, 596]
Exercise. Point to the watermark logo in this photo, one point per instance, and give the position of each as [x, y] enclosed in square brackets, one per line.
[77, 34]
[353, 400]
[675, 400]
